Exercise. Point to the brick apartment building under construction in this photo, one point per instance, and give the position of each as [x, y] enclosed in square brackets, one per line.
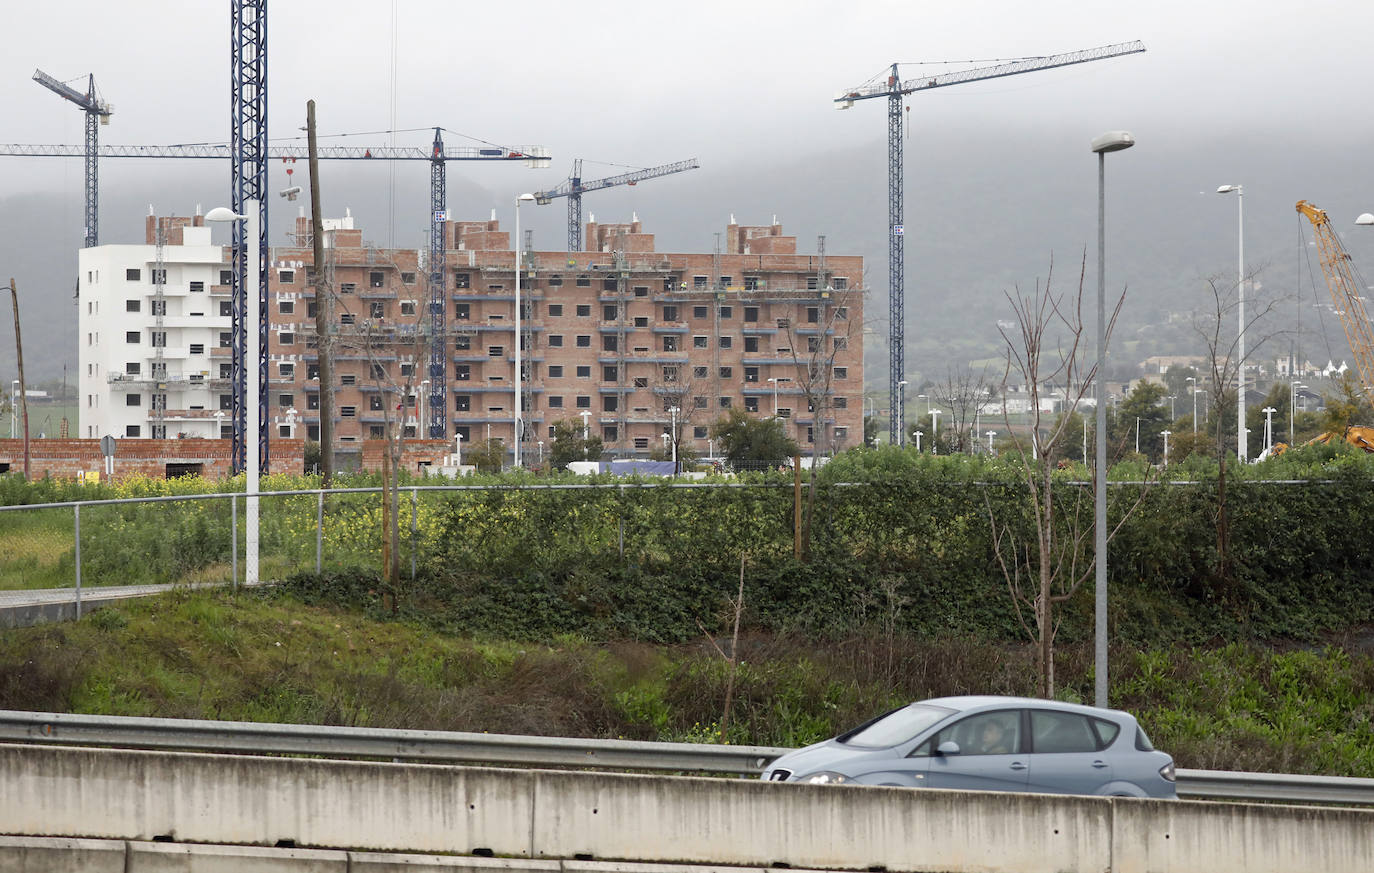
[623, 341]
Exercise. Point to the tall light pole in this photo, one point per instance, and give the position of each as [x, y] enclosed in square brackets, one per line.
[918, 434]
[424, 393]
[1268, 426]
[1137, 434]
[1165, 434]
[519, 373]
[1112, 141]
[252, 394]
[1171, 406]
[1242, 450]
[673, 411]
[1192, 389]
[1293, 388]
[901, 415]
[926, 398]
[991, 434]
[775, 380]
[935, 431]
[586, 428]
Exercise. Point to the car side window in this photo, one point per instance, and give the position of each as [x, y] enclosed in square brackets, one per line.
[923, 750]
[1107, 731]
[1061, 732]
[988, 733]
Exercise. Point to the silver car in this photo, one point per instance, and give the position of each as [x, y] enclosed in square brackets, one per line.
[990, 744]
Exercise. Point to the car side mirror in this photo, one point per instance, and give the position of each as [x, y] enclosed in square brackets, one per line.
[948, 747]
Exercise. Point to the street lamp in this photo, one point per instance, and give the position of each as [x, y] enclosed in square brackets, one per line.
[673, 411]
[991, 434]
[519, 374]
[934, 431]
[1192, 389]
[901, 416]
[291, 421]
[1293, 388]
[458, 449]
[424, 394]
[1268, 426]
[1165, 434]
[1171, 406]
[918, 435]
[14, 405]
[219, 424]
[252, 399]
[541, 452]
[1111, 141]
[1241, 449]
[1137, 434]
[586, 429]
[926, 398]
[775, 380]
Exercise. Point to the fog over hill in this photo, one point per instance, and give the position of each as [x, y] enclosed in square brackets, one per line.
[986, 211]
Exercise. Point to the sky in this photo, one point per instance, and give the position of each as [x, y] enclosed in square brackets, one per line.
[746, 87]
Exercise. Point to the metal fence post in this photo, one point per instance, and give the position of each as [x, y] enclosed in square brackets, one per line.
[76, 514]
[319, 532]
[414, 525]
[234, 535]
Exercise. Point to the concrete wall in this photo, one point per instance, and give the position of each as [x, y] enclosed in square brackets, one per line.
[548, 815]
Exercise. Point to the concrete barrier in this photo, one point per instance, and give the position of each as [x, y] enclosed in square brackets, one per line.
[561, 817]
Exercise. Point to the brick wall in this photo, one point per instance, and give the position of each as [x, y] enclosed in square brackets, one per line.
[414, 454]
[64, 459]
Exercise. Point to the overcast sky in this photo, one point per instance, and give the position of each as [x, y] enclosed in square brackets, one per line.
[639, 84]
[1270, 95]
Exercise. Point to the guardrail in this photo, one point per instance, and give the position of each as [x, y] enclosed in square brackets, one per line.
[525, 751]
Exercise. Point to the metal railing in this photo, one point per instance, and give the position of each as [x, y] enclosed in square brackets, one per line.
[524, 751]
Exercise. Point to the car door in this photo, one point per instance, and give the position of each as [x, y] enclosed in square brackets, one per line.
[982, 762]
[1065, 754]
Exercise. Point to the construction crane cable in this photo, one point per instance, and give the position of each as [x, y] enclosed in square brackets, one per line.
[1306, 252]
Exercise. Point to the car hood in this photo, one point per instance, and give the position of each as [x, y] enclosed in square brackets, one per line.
[809, 759]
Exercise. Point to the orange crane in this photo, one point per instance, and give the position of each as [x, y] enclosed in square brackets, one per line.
[1345, 297]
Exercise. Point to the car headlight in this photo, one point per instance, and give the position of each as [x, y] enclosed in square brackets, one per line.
[826, 777]
[1167, 771]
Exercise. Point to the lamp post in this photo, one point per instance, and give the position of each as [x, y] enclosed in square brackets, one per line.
[991, 434]
[458, 449]
[541, 453]
[1112, 141]
[291, 421]
[1293, 388]
[1192, 389]
[1165, 434]
[926, 398]
[1268, 426]
[519, 373]
[586, 428]
[1137, 434]
[1171, 406]
[14, 407]
[901, 416]
[918, 434]
[251, 393]
[1242, 450]
[673, 411]
[424, 393]
[775, 380]
[934, 431]
[219, 424]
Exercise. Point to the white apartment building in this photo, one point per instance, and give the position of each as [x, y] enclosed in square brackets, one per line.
[154, 359]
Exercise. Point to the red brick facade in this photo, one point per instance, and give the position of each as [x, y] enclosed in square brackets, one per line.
[66, 459]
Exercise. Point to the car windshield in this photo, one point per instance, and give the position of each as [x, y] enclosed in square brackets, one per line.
[896, 727]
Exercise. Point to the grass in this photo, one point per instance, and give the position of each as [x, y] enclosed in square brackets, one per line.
[266, 657]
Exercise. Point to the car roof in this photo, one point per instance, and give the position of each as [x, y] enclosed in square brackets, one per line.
[968, 702]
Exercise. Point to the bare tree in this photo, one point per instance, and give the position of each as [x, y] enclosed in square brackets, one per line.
[963, 393]
[1223, 368]
[818, 329]
[1051, 568]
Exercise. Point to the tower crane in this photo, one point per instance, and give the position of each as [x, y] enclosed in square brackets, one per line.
[1345, 295]
[97, 112]
[894, 89]
[574, 188]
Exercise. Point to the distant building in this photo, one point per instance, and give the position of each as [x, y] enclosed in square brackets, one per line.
[613, 338]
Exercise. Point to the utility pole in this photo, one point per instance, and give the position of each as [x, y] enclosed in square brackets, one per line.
[324, 307]
[19, 357]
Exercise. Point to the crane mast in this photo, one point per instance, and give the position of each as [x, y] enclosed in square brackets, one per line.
[894, 89]
[97, 113]
[574, 188]
[1345, 296]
